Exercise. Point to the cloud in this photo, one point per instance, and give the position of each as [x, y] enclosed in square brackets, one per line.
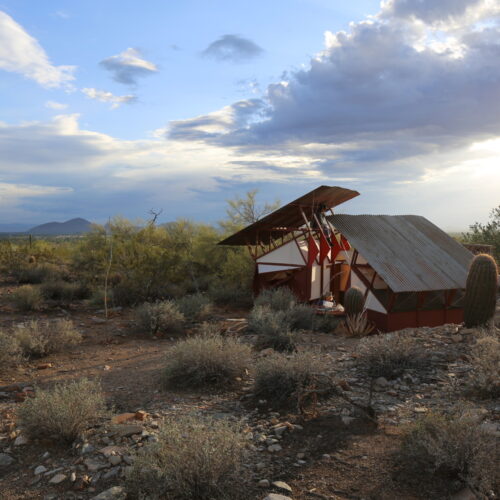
[104, 96]
[233, 48]
[55, 105]
[21, 53]
[128, 66]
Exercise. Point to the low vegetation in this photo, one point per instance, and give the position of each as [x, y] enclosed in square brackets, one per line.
[159, 318]
[272, 328]
[194, 458]
[389, 355]
[35, 274]
[453, 447]
[10, 352]
[279, 379]
[39, 338]
[484, 377]
[196, 307]
[63, 412]
[27, 298]
[277, 299]
[206, 360]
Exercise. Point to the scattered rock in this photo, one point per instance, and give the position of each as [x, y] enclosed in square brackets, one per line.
[123, 417]
[128, 430]
[281, 485]
[44, 366]
[57, 479]
[21, 440]
[114, 493]
[114, 459]
[274, 448]
[5, 460]
[264, 483]
[276, 496]
[40, 470]
[465, 494]
[112, 450]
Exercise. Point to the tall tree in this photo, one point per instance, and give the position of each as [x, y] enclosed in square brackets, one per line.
[488, 233]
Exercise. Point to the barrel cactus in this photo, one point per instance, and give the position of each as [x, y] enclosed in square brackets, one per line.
[480, 291]
[354, 301]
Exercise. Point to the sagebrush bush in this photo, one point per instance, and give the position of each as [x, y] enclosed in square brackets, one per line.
[159, 318]
[39, 338]
[301, 317]
[10, 351]
[451, 446]
[273, 329]
[279, 378]
[325, 323]
[196, 307]
[277, 299]
[35, 274]
[207, 359]
[64, 411]
[59, 291]
[231, 295]
[27, 298]
[484, 378]
[194, 458]
[389, 355]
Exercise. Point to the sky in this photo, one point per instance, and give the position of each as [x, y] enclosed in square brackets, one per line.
[119, 107]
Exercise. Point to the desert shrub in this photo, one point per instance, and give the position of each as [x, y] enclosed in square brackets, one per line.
[279, 378]
[194, 458]
[231, 295]
[325, 323]
[35, 274]
[451, 446]
[388, 355]
[27, 298]
[277, 299]
[301, 317]
[207, 359]
[63, 291]
[484, 378]
[159, 317]
[196, 307]
[38, 338]
[357, 325]
[272, 328]
[64, 411]
[10, 351]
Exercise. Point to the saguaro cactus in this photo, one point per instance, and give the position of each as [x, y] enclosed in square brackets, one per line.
[480, 291]
[354, 301]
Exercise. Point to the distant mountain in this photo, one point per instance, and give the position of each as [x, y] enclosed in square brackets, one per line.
[73, 226]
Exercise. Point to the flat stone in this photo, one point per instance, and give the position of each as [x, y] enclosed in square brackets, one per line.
[281, 485]
[21, 440]
[40, 470]
[274, 447]
[86, 448]
[114, 493]
[490, 429]
[264, 483]
[94, 466]
[114, 459]
[128, 430]
[5, 460]
[111, 473]
[57, 479]
[465, 494]
[279, 431]
[276, 496]
[123, 417]
[108, 451]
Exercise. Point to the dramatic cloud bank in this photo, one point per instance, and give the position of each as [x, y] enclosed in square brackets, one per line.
[233, 48]
[21, 53]
[128, 66]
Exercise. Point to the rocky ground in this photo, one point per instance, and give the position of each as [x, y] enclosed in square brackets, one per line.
[339, 454]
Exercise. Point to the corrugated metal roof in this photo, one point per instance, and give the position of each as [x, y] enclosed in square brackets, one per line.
[409, 252]
[289, 216]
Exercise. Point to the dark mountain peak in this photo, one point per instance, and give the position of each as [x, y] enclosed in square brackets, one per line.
[73, 226]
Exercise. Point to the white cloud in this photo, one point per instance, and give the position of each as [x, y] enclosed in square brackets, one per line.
[21, 53]
[233, 48]
[128, 66]
[55, 105]
[104, 96]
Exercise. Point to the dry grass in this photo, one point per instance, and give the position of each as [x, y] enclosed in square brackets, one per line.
[453, 447]
[279, 378]
[63, 412]
[484, 378]
[10, 352]
[27, 298]
[38, 338]
[159, 317]
[205, 360]
[389, 355]
[194, 459]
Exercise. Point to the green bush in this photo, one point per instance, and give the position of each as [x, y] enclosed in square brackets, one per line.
[389, 355]
[451, 446]
[277, 299]
[196, 307]
[204, 360]
[38, 338]
[35, 274]
[27, 298]
[194, 458]
[279, 378]
[63, 412]
[273, 329]
[10, 351]
[484, 377]
[59, 291]
[159, 318]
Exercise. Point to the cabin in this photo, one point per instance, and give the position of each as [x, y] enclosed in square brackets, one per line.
[411, 272]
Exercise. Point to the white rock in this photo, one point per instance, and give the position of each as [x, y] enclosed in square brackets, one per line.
[264, 483]
[21, 440]
[114, 493]
[276, 496]
[274, 447]
[57, 479]
[40, 470]
[281, 485]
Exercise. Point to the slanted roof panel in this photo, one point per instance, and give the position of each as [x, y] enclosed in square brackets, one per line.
[289, 216]
[409, 252]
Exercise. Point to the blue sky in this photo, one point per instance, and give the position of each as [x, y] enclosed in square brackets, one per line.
[118, 107]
